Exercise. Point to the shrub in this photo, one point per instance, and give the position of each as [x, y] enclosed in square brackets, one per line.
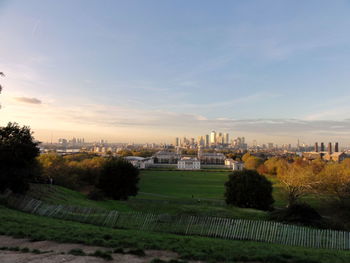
[249, 189]
[137, 252]
[25, 250]
[119, 179]
[102, 254]
[118, 250]
[96, 195]
[77, 252]
[300, 213]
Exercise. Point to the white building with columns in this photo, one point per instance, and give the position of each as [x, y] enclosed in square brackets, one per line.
[188, 163]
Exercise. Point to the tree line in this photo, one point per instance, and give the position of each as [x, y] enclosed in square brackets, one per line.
[22, 164]
[299, 177]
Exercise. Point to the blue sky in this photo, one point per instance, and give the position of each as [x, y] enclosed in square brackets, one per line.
[151, 70]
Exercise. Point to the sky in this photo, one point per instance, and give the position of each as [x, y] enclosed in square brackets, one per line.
[149, 71]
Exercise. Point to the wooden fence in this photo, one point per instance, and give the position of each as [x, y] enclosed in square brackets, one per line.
[226, 228]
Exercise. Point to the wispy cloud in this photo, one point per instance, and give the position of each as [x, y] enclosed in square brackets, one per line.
[249, 99]
[35, 27]
[28, 100]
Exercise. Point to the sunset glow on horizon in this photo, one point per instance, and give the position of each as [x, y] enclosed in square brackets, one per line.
[149, 71]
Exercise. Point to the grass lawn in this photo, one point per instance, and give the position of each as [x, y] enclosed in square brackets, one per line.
[20, 224]
[61, 195]
[184, 184]
[163, 191]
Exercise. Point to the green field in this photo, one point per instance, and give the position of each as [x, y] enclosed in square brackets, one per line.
[18, 224]
[178, 192]
[175, 206]
[183, 184]
[204, 185]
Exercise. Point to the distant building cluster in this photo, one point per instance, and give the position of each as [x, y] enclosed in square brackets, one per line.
[207, 151]
[73, 141]
[320, 152]
[212, 140]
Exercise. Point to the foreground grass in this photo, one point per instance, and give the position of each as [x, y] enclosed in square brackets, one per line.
[36, 228]
[60, 195]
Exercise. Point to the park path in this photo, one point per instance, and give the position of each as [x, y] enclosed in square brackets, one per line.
[57, 253]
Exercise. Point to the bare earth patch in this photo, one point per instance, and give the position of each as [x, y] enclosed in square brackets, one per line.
[57, 252]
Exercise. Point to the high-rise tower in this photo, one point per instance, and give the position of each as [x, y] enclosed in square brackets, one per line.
[213, 137]
[206, 140]
[226, 138]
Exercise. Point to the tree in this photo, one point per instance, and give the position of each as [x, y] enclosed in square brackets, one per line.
[124, 153]
[248, 188]
[253, 162]
[18, 152]
[72, 171]
[273, 164]
[91, 169]
[55, 166]
[246, 156]
[296, 180]
[262, 169]
[335, 182]
[119, 179]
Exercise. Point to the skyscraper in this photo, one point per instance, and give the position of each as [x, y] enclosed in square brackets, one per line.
[206, 140]
[226, 138]
[213, 137]
[201, 141]
[177, 141]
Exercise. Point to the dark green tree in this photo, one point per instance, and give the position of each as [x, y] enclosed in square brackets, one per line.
[18, 152]
[249, 189]
[119, 179]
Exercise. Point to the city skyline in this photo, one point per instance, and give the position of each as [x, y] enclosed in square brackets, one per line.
[149, 72]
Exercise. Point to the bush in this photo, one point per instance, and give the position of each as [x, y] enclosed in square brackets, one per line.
[77, 252]
[137, 252]
[102, 254]
[119, 179]
[96, 195]
[299, 213]
[249, 189]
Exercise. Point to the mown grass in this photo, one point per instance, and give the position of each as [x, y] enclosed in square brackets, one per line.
[36, 228]
[184, 184]
[180, 193]
[157, 202]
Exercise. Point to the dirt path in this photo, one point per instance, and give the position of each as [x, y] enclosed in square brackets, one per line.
[58, 252]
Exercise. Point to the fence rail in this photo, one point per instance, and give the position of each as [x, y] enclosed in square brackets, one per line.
[225, 228]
